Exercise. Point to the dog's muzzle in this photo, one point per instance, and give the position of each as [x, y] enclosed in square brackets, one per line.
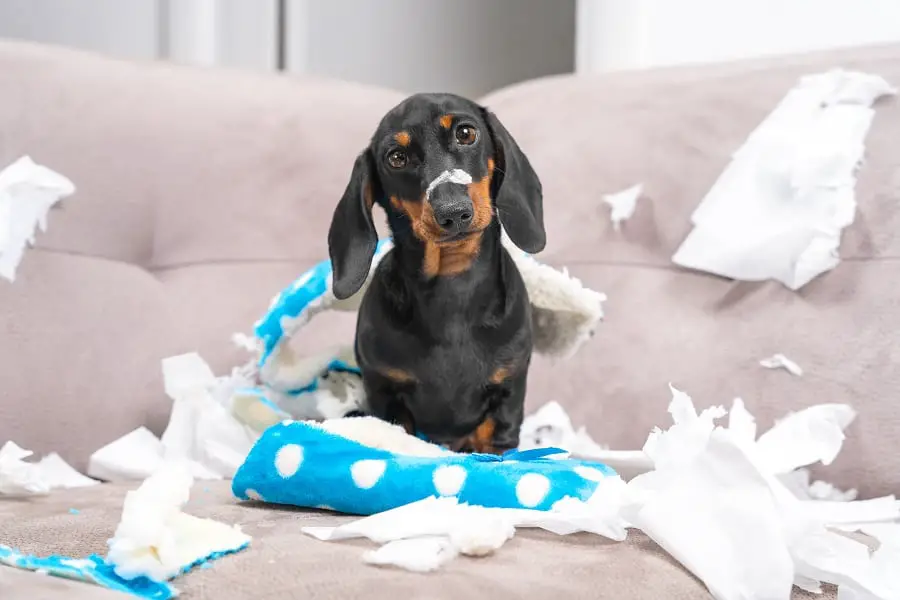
[453, 210]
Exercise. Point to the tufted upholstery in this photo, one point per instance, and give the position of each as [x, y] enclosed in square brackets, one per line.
[202, 192]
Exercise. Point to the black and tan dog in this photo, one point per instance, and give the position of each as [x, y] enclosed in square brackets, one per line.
[444, 334]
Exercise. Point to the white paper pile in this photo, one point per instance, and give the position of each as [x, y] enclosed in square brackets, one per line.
[202, 431]
[19, 478]
[156, 539]
[778, 209]
[715, 499]
[27, 193]
[622, 204]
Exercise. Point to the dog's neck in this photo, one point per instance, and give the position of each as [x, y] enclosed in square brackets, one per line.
[474, 260]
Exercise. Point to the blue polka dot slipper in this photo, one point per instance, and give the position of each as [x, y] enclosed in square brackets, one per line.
[364, 466]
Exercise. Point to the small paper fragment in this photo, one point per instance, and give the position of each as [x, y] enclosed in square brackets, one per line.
[60, 474]
[27, 193]
[812, 435]
[17, 477]
[134, 456]
[780, 361]
[622, 204]
[550, 426]
[420, 555]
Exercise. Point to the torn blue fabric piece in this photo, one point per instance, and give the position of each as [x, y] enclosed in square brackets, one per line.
[94, 569]
[301, 464]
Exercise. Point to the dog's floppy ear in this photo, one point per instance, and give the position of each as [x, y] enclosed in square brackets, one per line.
[517, 191]
[352, 237]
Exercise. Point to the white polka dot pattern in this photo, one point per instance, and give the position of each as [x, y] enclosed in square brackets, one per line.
[288, 460]
[366, 473]
[254, 495]
[532, 489]
[449, 479]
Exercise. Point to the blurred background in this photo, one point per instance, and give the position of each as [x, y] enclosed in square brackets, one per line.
[465, 46]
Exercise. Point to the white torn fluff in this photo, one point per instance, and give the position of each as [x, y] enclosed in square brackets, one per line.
[203, 431]
[156, 539]
[778, 209]
[19, 478]
[622, 204]
[780, 361]
[455, 176]
[27, 193]
[715, 501]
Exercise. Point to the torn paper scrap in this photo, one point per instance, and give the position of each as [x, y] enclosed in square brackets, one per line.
[550, 426]
[17, 477]
[420, 555]
[799, 483]
[134, 456]
[61, 475]
[778, 209]
[622, 204]
[27, 193]
[780, 361]
[811, 435]
[202, 431]
[155, 539]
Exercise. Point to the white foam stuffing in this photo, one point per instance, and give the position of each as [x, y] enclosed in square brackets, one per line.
[156, 539]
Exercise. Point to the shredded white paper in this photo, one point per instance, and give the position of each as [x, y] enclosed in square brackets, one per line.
[715, 499]
[202, 431]
[622, 204]
[780, 361]
[156, 539]
[27, 193]
[778, 209]
[19, 478]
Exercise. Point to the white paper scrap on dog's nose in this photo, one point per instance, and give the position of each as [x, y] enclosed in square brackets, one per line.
[455, 176]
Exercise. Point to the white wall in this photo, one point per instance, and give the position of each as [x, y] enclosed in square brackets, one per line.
[465, 46]
[627, 34]
[126, 28]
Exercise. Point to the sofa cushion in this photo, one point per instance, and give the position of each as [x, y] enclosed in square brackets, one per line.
[674, 130]
[283, 563]
[200, 194]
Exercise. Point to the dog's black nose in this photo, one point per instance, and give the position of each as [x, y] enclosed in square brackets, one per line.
[454, 216]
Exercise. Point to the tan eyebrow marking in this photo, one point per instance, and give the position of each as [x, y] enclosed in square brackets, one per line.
[403, 138]
[446, 121]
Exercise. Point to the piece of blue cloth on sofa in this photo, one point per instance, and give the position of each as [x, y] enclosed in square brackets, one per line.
[301, 464]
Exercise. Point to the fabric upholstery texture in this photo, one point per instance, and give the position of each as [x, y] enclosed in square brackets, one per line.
[282, 563]
[202, 192]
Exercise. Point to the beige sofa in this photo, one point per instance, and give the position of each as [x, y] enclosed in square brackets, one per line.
[202, 192]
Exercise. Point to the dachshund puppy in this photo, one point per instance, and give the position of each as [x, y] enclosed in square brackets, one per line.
[444, 336]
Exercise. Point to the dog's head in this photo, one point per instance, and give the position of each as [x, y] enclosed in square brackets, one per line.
[442, 167]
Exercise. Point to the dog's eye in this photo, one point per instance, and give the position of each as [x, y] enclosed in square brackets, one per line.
[466, 135]
[397, 159]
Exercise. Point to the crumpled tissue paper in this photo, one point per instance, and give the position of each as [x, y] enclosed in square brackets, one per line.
[622, 204]
[202, 430]
[778, 209]
[27, 193]
[550, 426]
[19, 478]
[423, 535]
[714, 499]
